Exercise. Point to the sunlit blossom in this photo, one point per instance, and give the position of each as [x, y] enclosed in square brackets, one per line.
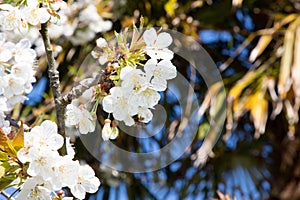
[86, 182]
[159, 72]
[79, 117]
[156, 45]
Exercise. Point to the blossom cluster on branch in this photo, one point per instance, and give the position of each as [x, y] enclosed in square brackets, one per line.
[135, 71]
[29, 158]
[17, 70]
[49, 171]
[23, 14]
[134, 75]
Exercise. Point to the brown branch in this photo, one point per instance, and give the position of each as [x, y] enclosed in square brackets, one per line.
[55, 85]
[77, 91]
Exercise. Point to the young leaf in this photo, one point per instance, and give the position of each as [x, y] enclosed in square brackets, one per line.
[5, 144]
[3, 156]
[18, 141]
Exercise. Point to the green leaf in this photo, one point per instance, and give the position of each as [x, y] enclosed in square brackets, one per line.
[3, 156]
[203, 130]
[6, 181]
[114, 77]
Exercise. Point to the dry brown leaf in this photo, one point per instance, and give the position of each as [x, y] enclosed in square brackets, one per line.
[258, 107]
[263, 42]
[285, 80]
[296, 70]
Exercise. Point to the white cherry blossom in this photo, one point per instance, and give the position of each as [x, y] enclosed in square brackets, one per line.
[42, 162]
[16, 71]
[12, 85]
[44, 135]
[133, 79]
[86, 182]
[57, 5]
[32, 190]
[12, 101]
[48, 170]
[25, 71]
[35, 15]
[156, 45]
[10, 17]
[65, 169]
[23, 52]
[79, 117]
[119, 104]
[90, 16]
[145, 115]
[159, 72]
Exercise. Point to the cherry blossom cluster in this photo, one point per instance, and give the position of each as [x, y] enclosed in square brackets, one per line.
[48, 171]
[28, 13]
[80, 22]
[136, 86]
[16, 75]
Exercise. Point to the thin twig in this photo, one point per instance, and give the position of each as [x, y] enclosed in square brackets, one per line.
[78, 90]
[55, 84]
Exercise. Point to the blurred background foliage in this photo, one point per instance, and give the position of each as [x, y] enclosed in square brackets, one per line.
[256, 46]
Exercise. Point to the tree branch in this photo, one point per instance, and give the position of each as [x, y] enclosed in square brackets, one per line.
[79, 90]
[55, 85]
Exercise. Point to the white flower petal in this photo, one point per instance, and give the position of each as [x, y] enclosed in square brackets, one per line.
[150, 36]
[23, 44]
[165, 54]
[125, 71]
[101, 42]
[168, 69]
[102, 60]
[72, 113]
[159, 84]
[107, 104]
[145, 115]
[86, 126]
[92, 185]
[5, 55]
[44, 15]
[87, 182]
[129, 121]
[163, 40]
[6, 7]
[32, 3]
[78, 191]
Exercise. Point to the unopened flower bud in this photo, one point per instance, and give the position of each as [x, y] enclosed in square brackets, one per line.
[115, 133]
[107, 130]
[101, 42]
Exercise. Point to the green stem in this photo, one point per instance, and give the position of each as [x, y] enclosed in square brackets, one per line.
[55, 85]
